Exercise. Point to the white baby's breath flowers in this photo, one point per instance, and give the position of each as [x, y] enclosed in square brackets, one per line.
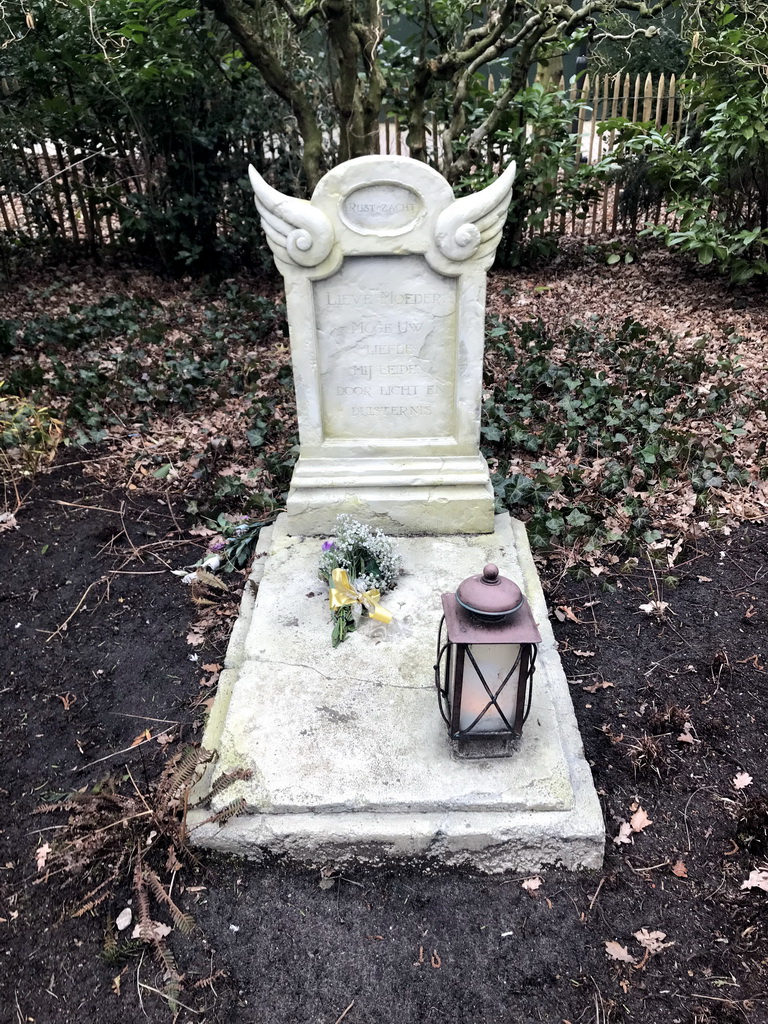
[366, 553]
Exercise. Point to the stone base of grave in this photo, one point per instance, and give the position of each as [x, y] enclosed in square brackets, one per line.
[425, 494]
[348, 754]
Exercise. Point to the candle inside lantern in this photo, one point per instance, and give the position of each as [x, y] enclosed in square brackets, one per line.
[494, 661]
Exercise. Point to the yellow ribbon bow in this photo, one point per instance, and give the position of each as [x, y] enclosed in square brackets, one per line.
[343, 594]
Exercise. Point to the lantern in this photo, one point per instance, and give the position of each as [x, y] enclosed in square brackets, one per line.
[485, 664]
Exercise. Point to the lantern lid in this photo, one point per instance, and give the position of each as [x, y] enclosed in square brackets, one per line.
[490, 595]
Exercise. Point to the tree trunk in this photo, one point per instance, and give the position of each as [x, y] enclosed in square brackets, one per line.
[279, 78]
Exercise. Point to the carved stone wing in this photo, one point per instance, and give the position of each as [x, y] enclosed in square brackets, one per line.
[471, 227]
[296, 230]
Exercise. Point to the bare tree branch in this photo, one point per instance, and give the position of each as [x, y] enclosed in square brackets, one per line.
[278, 77]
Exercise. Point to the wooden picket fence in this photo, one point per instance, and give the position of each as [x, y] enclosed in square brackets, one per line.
[600, 98]
[49, 189]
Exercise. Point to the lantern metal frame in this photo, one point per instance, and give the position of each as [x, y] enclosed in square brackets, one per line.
[465, 628]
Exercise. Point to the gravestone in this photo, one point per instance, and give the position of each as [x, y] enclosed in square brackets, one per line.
[385, 289]
[342, 753]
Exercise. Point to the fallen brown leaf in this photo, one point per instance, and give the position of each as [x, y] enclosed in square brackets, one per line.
[639, 820]
[758, 879]
[652, 941]
[8, 521]
[624, 834]
[155, 931]
[616, 951]
[531, 884]
[603, 685]
[657, 608]
[679, 869]
[564, 611]
[172, 862]
[686, 736]
[202, 531]
[41, 855]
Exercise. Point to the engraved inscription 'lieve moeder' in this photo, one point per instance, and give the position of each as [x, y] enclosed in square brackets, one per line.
[386, 330]
[383, 207]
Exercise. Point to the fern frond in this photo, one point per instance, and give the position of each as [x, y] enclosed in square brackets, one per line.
[110, 942]
[208, 982]
[146, 930]
[166, 958]
[184, 922]
[210, 580]
[235, 807]
[173, 981]
[173, 783]
[85, 908]
[62, 805]
[225, 780]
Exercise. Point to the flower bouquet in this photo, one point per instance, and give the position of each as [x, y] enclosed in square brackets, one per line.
[359, 565]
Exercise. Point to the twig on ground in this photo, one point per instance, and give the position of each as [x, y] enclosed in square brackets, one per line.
[685, 813]
[75, 610]
[600, 1017]
[112, 824]
[171, 999]
[173, 515]
[143, 718]
[82, 767]
[344, 1013]
[593, 901]
[134, 549]
[651, 867]
[138, 984]
[139, 794]
[138, 572]
[732, 1003]
[717, 890]
[88, 508]
[9, 469]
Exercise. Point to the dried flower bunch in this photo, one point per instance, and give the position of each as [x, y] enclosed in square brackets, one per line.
[371, 563]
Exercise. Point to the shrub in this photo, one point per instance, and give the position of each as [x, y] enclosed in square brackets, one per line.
[715, 177]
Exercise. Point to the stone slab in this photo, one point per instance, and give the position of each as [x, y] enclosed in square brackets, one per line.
[385, 279]
[348, 753]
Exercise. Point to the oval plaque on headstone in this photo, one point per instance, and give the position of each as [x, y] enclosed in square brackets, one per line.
[386, 207]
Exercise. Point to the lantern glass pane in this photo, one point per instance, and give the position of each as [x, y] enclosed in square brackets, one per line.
[494, 661]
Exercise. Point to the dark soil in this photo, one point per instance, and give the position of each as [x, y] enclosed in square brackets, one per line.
[412, 944]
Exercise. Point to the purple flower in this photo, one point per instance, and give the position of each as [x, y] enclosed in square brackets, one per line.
[216, 545]
[328, 545]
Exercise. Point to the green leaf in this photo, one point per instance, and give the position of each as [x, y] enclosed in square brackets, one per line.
[162, 472]
[613, 258]
[577, 518]
[491, 433]
[705, 255]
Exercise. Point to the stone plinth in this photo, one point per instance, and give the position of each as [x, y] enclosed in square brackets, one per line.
[348, 753]
[385, 275]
